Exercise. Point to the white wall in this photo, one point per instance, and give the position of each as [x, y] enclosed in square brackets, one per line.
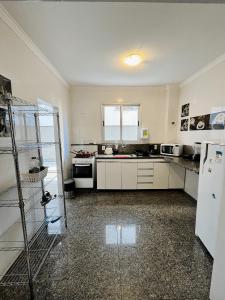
[206, 94]
[32, 79]
[154, 101]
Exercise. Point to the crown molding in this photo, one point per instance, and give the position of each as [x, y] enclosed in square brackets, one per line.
[9, 20]
[203, 70]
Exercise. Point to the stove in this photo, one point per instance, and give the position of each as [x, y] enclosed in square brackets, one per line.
[83, 171]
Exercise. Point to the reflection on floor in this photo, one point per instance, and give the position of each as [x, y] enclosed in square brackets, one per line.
[127, 245]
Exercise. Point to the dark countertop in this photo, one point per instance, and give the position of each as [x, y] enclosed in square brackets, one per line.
[102, 156]
[185, 163]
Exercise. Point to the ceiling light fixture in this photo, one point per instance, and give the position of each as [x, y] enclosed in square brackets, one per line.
[133, 59]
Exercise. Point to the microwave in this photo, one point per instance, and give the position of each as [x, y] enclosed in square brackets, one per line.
[171, 149]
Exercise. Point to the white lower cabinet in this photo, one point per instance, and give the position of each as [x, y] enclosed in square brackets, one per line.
[191, 184]
[161, 176]
[100, 175]
[138, 174]
[113, 178]
[129, 175]
[176, 176]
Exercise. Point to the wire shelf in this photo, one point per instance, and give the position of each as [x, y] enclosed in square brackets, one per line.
[12, 239]
[19, 105]
[24, 146]
[53, 228]
[40, 247]
[9, 198]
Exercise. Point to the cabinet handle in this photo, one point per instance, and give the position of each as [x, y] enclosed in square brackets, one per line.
[145, 175]
[145, 182]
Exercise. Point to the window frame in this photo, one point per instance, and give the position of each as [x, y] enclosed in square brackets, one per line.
[121, 126]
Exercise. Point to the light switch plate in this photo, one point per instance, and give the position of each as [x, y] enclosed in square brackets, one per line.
[103, 147]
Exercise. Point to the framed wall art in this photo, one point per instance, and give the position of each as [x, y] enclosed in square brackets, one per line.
[217, 120]
[184, 124]
[185, 110]
[200, 122]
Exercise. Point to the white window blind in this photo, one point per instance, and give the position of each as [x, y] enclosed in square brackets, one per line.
[120, 122]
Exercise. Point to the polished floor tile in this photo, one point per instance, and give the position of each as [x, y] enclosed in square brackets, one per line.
[127, 245]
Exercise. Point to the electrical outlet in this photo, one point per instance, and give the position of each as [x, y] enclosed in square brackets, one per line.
[103, 148]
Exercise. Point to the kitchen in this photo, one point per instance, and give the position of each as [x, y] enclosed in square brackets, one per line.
[133, 113]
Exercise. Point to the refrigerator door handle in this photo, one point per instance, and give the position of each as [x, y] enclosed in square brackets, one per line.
[206, 156]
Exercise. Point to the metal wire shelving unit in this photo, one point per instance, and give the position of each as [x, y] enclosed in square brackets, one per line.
[30, 238]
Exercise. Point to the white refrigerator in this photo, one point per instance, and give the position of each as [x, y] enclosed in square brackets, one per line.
[217, 290]
[211, 193]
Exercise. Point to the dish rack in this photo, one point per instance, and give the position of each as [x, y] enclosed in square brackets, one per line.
[29, 238]
[35, 177]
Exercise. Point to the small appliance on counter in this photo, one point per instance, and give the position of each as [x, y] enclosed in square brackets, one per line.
[171, 149]
[197, 151]
[154, 149]
[108, 150]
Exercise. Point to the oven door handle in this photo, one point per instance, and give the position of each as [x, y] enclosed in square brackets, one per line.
[82, 165]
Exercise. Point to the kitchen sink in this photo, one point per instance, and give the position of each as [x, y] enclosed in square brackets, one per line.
[124, 155]
[155, 156]
[158, 157]
[117, 156]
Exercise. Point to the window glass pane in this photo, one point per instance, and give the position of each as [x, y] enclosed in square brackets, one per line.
[130, 133]
[130, 115]
[112, 133]
[112, 115]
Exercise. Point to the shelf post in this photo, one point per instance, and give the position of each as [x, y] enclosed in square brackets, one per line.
[37, 128]
[61, 165]
[20, 195]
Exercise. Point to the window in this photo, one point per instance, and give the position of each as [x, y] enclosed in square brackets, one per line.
[120, 122]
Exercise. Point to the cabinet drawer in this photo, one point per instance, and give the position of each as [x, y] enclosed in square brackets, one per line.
[144, 186]
[145, 165]
[145, 179]
[145, 172]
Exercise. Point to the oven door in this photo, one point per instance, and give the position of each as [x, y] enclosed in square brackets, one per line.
[82, 170]
[167, 149]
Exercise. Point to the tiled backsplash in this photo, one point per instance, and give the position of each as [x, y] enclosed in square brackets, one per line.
[130, 148]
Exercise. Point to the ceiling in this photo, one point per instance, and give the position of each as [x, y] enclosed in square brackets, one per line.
[85, 41]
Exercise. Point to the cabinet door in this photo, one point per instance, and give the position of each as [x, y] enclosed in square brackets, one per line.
[100, 175]
[191, 184]
[161, 176]
[176, 177]
[113, 175]
[129, 175]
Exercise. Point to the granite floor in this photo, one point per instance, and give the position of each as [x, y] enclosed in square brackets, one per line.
[129, 245]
